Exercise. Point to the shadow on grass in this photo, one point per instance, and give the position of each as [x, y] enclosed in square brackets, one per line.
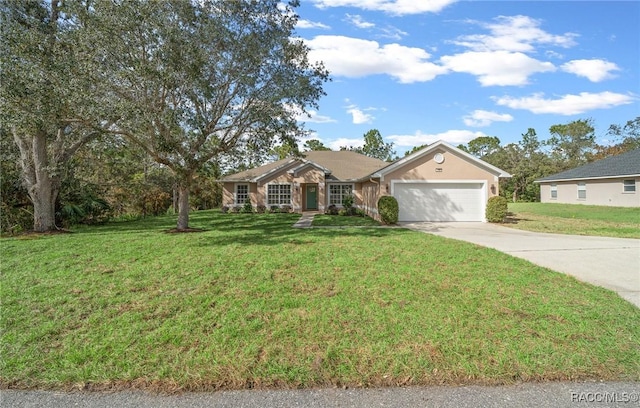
[512, 218]
[235, 229]
[274, 229]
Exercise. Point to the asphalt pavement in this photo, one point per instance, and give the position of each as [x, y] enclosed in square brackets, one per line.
[539, 395]
[612, 263]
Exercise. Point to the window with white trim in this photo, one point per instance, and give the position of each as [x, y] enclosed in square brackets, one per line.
[338, 191]
[278, 194]
[554, 191]
[629, 186]
[582, 191]
[242, 193]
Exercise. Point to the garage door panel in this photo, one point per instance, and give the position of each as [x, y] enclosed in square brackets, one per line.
[440, 202]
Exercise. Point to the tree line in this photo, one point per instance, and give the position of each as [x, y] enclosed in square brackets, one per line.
[569, 145]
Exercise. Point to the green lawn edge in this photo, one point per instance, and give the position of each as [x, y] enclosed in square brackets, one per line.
[575, 219]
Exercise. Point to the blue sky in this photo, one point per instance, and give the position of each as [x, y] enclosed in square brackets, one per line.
[422, 71]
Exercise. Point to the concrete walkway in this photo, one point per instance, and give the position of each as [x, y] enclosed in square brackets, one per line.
[306, 220]
[613, 263]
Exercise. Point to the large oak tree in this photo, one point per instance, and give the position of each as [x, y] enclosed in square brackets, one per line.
[47, 102]
[194, 80]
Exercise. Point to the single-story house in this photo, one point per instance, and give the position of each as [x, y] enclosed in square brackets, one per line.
[437, 183]
[612, 181]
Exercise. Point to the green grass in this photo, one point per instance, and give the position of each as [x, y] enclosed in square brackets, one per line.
[325, 220]
[620, 222]
[253, 302]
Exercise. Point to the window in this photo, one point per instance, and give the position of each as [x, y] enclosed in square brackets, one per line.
[338, 191]
[242, 193]
[554, 191]
[629, 186]
[278, 194]
[582, 191]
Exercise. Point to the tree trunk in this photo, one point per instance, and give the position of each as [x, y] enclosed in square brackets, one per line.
[44, 195]
[183, 206]
[41, 184]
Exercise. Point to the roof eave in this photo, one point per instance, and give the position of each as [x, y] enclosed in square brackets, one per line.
[587, 178]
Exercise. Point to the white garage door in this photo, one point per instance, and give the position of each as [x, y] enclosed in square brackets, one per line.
[440, 202]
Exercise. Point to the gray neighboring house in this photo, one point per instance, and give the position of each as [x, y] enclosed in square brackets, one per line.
[612, 181]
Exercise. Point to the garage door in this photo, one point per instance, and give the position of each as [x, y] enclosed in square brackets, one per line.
[440, 202]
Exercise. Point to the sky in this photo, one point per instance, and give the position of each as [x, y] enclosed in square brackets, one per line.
[426, 70]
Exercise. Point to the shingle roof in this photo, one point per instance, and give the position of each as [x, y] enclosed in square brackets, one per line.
[344, 165]
[258, 171]
[625, 164]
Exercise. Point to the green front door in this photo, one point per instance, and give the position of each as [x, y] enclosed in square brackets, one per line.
[312, 197]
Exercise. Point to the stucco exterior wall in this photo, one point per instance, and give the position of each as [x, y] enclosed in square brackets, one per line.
[229, 193]
[454, 167]
[370, 192]
[608, 192]
[258, 191]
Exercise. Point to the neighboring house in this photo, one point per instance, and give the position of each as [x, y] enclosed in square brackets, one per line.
[612, 181]
[437, 183]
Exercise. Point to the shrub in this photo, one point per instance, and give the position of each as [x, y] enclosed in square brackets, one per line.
[332, 210]
[342, 212]
[347, 201]
[360, 213]
[225, 209]
[235, 209]
[274, 209]
[496, 209]
[247, 208]
[261, 209]
[388, 209]
[286, 209]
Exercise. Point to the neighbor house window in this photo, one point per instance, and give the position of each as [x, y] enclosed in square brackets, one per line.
[629, 186]
[338, 191]
[279, 194]
[554, 191]
[242, 193]
[582, 191]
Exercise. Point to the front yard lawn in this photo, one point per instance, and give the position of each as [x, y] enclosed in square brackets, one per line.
[253, 302]
[325, 220]
[620, 222]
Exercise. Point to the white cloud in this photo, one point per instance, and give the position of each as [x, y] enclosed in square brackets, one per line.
[595, 70]
[314, 117]
[481, 118]
[338, 143]
[353, 57]
[567, 104]
[515, 34]
[358, 21]
[393, 33]
[454, 137]
[359, 116]
[311, 24]
[396, 7]
[499, 68]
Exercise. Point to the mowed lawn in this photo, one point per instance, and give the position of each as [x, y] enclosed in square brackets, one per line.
[620, 222]
[252, 302]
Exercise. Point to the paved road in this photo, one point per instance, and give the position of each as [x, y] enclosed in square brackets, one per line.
[613, 263]
[522, 395]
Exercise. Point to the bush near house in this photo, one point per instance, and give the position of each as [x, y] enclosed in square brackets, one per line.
[497, 208]
[388, 209]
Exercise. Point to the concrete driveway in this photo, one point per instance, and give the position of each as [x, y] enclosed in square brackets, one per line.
[613, 263]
